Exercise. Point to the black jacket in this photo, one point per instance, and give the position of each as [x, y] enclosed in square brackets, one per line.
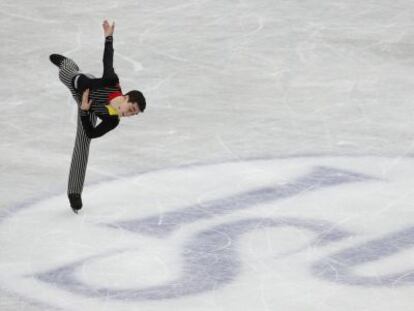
[101, 90]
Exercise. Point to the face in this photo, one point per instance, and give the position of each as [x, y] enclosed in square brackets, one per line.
[127, 109]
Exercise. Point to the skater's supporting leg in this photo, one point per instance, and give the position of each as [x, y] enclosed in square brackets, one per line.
[79, 159]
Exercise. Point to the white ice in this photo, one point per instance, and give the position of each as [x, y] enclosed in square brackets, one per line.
[272, 170]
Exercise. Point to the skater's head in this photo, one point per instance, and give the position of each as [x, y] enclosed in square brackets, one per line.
[134, 104]
[137, 99]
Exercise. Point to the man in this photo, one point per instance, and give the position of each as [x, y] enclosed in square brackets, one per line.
[100, 98]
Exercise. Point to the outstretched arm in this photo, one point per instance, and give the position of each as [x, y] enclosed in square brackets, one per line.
[108, 57]
[109, 76]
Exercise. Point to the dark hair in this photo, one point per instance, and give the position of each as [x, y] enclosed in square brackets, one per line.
[137, 97]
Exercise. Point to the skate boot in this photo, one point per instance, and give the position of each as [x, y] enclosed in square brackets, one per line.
[57, 59]
[75, 201]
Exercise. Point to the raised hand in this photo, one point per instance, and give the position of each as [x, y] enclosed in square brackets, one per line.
[108, 28]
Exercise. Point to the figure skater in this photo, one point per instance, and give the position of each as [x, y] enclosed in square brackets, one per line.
[96, 98]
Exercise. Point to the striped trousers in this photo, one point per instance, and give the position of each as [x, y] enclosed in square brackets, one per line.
[67, 71]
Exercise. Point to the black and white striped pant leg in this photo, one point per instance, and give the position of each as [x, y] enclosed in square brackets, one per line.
[79, 157]
[67, 71]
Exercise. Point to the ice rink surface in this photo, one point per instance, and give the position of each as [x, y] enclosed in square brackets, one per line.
[272, 170]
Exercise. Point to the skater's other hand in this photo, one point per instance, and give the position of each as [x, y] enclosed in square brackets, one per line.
[86, 103]
[108, 28]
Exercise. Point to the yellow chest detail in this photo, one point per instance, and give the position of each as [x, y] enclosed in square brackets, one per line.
[112, 111]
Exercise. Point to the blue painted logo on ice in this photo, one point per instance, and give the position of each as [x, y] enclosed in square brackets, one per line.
[175, 233]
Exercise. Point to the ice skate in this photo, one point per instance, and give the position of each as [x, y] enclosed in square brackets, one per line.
[57, 59]
[75, 202]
